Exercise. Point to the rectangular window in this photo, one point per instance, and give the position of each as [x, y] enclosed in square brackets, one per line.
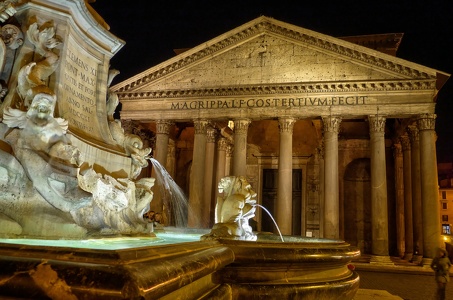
[444, 194]
[444, 218]
[444, 205]
[446, 229]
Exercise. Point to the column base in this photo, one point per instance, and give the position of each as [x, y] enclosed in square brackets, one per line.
[417, 259]
[426, 262]
[408, 256]
[381, 260]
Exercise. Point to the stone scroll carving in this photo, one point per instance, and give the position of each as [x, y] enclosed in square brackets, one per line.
[235, 206]
[46, 188]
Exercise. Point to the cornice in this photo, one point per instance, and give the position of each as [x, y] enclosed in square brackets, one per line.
[290, 88]
[266, 25]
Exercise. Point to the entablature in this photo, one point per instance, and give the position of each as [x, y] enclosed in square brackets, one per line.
[279, 89]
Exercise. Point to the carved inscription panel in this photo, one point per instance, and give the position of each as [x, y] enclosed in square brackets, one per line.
[78, 92]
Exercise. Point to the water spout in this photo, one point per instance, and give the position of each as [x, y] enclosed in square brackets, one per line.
[275, 223]
[174, 198]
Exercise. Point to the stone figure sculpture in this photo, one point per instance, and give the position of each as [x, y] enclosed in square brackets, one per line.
[33, 76]
[233, 210]
[132, 144]
[11, 38]
[46, 189]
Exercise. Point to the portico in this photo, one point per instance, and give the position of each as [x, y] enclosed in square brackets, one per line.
[291, 101]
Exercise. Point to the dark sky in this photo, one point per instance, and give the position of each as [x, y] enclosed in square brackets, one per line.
[153, 28]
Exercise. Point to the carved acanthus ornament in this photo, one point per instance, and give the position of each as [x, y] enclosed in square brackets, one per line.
[331, 124]
[426, 122]
[241, 126]
[377, 124]
[286, 124]
[222, 144]
[200, 126]
[163, 126]
[229, 151]
[211, 135]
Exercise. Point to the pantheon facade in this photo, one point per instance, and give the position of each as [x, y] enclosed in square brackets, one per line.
[336, 135]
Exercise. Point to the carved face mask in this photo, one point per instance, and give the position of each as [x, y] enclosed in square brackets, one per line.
[42, 107]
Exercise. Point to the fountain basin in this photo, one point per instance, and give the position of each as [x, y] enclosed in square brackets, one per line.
[222, 269]
[298, 268]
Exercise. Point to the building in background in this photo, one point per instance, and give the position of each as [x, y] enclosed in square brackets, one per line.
[336, 135]
[446, 196]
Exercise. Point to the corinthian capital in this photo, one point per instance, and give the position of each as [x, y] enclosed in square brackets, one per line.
[241, 125]
[163, 126]
[377, 124]
[413, 133]
[211, 135]
[222, 144]
[286, 124]
[200, 126]
[331, 124]
[426, 122]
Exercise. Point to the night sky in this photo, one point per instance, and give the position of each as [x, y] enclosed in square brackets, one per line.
[153, 28]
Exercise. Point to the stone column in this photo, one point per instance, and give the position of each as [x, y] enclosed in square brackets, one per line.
[399, 189]
[160, 154]
[162, 136]
[321, 189]
[240, 147]
[430, 203]
[331, 185]
[208, 209]
[229, 158]
[222, 147]
[379, 213]
[196, 185]
[171, 158]
[408, 224]
[285, 174]
[416, 193]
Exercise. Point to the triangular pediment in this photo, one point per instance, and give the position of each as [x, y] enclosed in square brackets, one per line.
[266, 53]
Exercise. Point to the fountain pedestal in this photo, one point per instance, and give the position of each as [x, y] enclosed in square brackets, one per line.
[223, 269]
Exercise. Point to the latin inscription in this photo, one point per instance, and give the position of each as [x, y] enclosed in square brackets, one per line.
[270, 102]
[79, 84]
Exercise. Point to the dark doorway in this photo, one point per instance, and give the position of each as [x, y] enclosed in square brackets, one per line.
[357, 204]
[269, 200]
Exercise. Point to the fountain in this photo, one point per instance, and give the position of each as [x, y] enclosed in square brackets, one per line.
[71, 206]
